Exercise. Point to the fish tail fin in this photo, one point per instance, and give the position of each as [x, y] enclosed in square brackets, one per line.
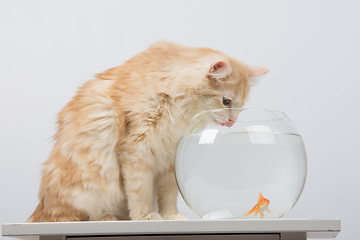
[251, 211]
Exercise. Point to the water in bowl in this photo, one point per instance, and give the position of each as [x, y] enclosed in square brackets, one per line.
[220, 175]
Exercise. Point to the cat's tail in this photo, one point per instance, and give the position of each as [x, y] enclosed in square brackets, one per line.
[56, 212]
[36, 214]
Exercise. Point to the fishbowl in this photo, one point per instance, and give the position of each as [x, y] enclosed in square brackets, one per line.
[241, 163]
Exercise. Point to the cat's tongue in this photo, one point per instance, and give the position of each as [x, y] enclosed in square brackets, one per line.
[227, 123]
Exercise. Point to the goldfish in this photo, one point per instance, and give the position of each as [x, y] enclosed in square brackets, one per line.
[260, 207]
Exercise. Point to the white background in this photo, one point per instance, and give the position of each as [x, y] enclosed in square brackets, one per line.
[49, 48]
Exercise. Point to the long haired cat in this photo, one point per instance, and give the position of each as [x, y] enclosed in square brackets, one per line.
[115, 144]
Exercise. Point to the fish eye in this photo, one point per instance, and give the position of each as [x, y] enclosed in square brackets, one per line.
[226, 101]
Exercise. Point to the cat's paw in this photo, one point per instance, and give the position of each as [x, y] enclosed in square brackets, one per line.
[151, 216]
[108, 217]
[177, 216]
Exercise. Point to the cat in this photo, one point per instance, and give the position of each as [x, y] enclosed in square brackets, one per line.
[114, 148]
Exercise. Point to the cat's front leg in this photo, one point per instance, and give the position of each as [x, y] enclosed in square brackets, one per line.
[167, 192]
[139, 186]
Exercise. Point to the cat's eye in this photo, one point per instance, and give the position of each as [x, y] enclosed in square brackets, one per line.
[226, 101]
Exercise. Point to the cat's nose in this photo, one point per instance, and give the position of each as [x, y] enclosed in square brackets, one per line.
[229, 123]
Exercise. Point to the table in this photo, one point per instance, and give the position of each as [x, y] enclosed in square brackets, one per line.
[240, 229]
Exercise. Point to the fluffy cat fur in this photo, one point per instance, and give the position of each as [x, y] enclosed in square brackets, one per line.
[116, 139]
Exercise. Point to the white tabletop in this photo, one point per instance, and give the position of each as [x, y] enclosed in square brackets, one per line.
[319, 228]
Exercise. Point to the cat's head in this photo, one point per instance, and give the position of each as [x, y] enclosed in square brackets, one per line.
[226, 85]
[207, 78]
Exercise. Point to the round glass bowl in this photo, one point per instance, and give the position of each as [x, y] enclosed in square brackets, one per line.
[241, 163]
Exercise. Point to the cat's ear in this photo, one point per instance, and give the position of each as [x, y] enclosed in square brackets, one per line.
[254, 71]
[219, 70]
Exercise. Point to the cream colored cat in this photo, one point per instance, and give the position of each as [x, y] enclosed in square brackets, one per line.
[116, 139]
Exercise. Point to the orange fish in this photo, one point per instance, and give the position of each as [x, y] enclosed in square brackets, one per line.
[260, 207]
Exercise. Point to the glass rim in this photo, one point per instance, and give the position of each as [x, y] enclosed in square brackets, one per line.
[282, 114]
